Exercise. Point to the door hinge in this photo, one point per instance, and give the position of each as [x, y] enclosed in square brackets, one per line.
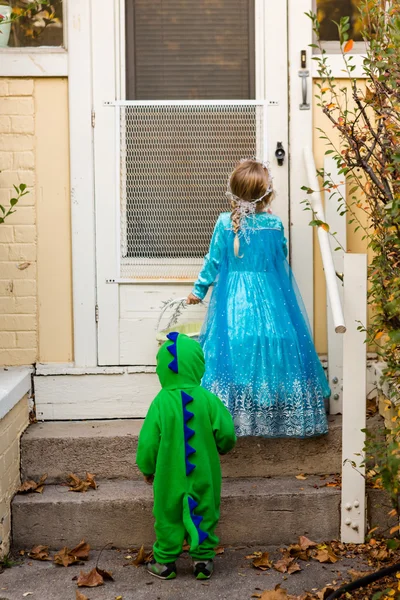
[96, 313]
[93, 118]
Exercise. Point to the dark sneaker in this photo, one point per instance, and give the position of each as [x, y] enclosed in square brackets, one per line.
[203, 569]
[161, 571]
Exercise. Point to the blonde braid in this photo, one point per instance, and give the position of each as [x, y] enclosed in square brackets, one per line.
[235, 218]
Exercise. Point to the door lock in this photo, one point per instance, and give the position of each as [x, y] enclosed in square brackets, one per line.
[280, 153]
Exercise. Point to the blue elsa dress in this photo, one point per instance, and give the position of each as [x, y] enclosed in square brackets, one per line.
[260, 357]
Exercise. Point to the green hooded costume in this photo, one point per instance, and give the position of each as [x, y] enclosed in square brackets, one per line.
[185, 429]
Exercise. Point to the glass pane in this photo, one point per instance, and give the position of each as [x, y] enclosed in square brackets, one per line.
[42, 25]
[190, 49]
[329, 11]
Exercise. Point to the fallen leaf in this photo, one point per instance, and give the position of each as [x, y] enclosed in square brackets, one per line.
[301, 477]
[91, 579]
[262, 562]
[80, 596]
[357, 574]
[81, 551]
[287, 564]
[305, 543]
[254, 555]
[31, 486]
[394, 529]
[324, 593]
[220, 550]
[294, 567]
[77, 485]
[106, 575]
[90, 479]
[256, 595]
[326, 555]
[277, 594]
[118, 597]
[64, 558]
[27, 594]
[142, 557]
[39, 553]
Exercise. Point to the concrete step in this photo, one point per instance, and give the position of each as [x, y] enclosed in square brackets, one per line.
[254, 511]
[108, 449]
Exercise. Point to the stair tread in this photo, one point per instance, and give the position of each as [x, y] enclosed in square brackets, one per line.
[133, 490]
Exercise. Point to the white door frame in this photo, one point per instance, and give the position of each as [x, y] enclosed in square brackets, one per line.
[87, 29]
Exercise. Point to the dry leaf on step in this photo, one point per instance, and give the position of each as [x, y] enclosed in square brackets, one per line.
[262, 562]
[305, 543]
[66, 557]
[27, 594]
[357, 574]
[287, 564]
[220, 550]
[91, 579]
[81, 551]
[80, 596]
[301, 477]
[32, 486]
[142, 557]
[325, 555]
[90, 479]
[39, 553]
[106, 575]
[254, 555]
[277, 594]
[327, 591]
[78, 485]
[294, 567]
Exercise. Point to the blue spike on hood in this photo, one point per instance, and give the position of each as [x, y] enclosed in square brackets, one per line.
[172, 349]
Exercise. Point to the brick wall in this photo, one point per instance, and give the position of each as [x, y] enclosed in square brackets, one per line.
[11, 428]
[18, 304]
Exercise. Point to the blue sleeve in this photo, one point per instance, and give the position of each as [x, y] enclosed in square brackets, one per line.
[211, 263]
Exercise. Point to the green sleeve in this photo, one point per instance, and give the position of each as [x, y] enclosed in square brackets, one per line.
[149, 442]
[222, 424]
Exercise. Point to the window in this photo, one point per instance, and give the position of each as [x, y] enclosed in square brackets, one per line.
[30, 24]
[190, 49]
[329, 11]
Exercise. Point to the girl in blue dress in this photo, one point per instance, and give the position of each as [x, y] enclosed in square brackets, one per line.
[260, 357]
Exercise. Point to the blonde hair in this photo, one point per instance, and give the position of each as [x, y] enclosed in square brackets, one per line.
[248, 182]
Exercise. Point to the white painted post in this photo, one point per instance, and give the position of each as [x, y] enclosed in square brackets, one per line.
[354, 399]
[337, 224]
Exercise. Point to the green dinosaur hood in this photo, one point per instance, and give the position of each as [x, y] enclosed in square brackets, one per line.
[180, 362]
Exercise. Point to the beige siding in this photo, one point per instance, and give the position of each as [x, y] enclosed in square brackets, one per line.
[35, 242]
[53, 221]
[11, 428]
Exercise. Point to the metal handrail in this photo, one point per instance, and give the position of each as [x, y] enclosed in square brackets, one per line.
[324, 244]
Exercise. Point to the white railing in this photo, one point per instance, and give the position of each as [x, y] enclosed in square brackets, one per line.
[347, 354]
[324, 244]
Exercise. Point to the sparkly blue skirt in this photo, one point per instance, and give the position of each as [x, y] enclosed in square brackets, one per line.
[260, 357]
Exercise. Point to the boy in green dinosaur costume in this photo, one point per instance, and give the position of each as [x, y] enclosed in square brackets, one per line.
[185, 430]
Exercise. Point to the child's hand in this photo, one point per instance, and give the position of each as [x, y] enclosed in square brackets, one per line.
[149, 479]
[192, 299]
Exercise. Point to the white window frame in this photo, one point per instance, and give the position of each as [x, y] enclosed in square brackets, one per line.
[40, 61]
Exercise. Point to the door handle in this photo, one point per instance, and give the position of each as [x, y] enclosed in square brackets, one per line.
[304, 74]
[280, 153]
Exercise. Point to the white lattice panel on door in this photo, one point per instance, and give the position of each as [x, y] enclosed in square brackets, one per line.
[174, 159]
